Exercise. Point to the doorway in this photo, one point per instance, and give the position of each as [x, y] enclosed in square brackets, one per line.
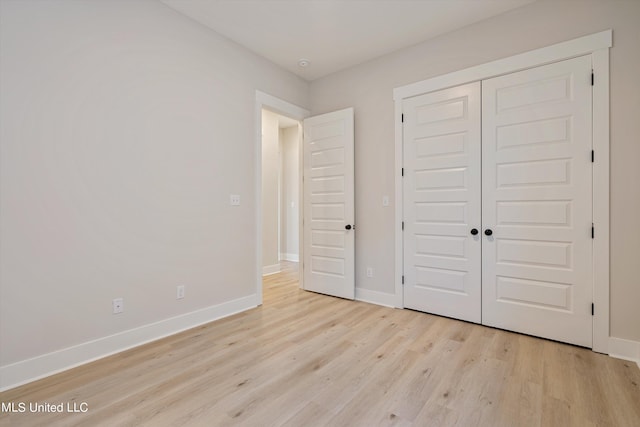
[271, 103]
[326, 200]
[280, 191]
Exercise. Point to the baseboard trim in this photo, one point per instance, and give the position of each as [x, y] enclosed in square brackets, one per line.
[290, 257]
[271, 269]
[625, 349]
[33, 369]
[375, 297]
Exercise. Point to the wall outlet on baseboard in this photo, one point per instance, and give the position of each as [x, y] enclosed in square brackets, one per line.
[118, 305]
[180, 292]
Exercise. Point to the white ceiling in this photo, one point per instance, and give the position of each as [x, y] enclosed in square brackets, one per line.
[335, 34]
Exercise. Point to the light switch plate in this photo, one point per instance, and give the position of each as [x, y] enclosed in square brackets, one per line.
[118, 305]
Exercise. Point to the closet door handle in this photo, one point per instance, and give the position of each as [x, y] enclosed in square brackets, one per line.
[488, 232]
[474, 231]
[347, 227]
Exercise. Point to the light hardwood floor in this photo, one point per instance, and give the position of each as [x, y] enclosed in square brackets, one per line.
[304, 359]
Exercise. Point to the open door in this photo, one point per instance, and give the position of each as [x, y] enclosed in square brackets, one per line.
[328, 219]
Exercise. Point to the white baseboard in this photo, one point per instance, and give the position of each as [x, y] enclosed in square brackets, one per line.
[375, 297]
[270, 269]
[29, 370]
[290, 257]
[625, 349]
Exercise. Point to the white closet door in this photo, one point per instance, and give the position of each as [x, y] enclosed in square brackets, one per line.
[537, 200]
[442, 202]
[329, 204]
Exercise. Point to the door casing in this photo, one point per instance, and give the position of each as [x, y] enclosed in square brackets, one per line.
[270, 102]
[597, 45]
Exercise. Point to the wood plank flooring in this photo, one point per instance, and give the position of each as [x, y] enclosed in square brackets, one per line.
[304, 359]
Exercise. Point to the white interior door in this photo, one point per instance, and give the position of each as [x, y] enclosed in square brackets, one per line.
[442, 258]
[537, 201]
[329, 234]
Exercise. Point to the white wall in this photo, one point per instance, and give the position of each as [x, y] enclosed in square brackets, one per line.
[124, 129]
[369, 87]
[270, 192]
[290, 193]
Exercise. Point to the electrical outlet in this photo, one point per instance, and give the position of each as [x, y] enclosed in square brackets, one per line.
[385, 200]
[180, 292]
[118, 305]
[369, 272]
[234, 200]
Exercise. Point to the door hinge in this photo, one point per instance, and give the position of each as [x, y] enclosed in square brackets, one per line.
[402, 171]
[593, 232]
[592, 78]
[403, 280]
[593, 309]
[593, 156]
[402, 118]
[403, 225]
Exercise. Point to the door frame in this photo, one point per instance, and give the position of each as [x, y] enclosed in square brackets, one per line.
[280, 106]
[597, 45]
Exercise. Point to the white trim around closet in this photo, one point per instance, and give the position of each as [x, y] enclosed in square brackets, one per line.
[597, 45]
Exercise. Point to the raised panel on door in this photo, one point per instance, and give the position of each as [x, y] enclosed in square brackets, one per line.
[441, 144]
[329, 248]
[537, 190]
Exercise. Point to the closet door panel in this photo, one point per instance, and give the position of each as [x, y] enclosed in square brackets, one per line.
[537, 201]
[441, 145]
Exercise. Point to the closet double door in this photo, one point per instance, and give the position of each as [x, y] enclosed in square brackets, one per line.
[497, 202]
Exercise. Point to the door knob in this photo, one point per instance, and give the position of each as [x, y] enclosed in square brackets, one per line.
[347, 227]
[474, 231]
[488, 232]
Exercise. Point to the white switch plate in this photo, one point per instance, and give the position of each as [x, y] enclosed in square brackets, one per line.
[180, 292]
[385, 200]
[234, 200]
[118, 305]
[369, 272]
